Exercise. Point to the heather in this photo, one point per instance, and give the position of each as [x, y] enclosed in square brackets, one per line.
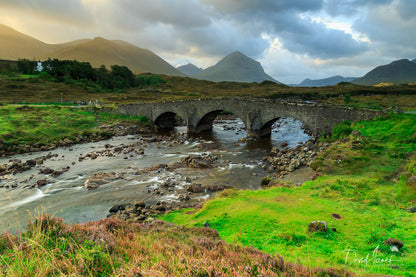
[112, 247]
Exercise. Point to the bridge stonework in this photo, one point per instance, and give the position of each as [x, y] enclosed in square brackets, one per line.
[257, 114]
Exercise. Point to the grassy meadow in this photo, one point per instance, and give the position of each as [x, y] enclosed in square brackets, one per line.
[362, 194]
[24, 125]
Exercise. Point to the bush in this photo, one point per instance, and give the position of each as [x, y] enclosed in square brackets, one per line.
[342, 130]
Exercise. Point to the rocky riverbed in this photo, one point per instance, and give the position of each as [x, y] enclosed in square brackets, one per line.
[135, 176]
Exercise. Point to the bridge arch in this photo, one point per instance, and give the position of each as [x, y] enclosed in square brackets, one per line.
[167, 120]
[266, 128]
[205, 122]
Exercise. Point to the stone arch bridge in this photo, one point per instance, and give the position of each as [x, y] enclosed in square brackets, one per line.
[257, 114]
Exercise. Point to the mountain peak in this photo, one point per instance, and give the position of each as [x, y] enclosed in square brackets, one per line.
[235, 67]
[189, 69]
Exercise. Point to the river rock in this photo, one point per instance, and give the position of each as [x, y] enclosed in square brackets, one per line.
[95, 180]
[196, 162]
[41, 183]
[195, 188]
[139, 204]
[46, 171]
[317, 226]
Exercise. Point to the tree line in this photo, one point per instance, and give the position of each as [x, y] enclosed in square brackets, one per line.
[118, 77]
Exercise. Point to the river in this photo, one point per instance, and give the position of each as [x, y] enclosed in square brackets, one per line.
[238, 165]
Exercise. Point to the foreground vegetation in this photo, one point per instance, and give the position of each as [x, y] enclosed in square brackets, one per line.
[113, 247]
[368, 180]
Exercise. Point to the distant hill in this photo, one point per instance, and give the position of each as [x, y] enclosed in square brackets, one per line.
[397, 72]
[15, 45]
[235, 67]
[414, 60]
[100, 51]
[189, 69]
[325, 82]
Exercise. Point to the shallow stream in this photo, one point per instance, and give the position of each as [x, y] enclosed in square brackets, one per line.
[239, 166]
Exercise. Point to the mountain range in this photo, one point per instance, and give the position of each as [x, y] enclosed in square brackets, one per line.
[324, 82]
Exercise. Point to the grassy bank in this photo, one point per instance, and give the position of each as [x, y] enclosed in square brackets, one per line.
[111, 247]
[24, 126]
[365, 187]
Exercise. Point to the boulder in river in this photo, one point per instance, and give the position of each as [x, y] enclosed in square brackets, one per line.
[95, 180]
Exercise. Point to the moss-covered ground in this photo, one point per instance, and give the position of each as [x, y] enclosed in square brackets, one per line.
[365, 188]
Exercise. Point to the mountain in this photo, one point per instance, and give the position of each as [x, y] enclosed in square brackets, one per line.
[235, 67]
[189, 69]
[414, 60]
[15, 45]
[325, 82]
[397, 72]
[100, 51]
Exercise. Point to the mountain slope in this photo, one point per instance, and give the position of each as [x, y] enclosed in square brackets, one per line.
[236, 67]
[101, 51]
[189, 69]
[15, 45]
[397, 72]
[325, 82]
[414, 60]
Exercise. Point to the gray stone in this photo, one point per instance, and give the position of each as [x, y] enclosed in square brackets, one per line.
[317, 226]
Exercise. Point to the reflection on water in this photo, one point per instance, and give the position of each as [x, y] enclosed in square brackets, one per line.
[65, 195]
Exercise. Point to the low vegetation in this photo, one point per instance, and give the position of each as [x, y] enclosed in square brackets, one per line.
[367, 182]
[112, 247]
[75, 82]
[24, 126]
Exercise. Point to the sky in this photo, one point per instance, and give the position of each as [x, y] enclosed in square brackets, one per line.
[293, 39]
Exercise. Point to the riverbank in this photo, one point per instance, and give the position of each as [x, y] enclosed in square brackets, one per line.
[25, 129]
[363, 195]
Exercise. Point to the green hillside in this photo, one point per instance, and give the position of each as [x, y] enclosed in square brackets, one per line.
[397, 72]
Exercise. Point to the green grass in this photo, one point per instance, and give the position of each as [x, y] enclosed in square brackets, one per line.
[365, 180]
[44, 125]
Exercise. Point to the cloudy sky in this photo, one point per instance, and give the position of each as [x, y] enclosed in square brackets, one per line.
[293, 39]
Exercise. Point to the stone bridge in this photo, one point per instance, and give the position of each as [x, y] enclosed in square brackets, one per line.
[257, 114]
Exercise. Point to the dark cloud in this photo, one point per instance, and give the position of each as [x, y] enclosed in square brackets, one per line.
[351, 7]
[407, 9]
[316, 40]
